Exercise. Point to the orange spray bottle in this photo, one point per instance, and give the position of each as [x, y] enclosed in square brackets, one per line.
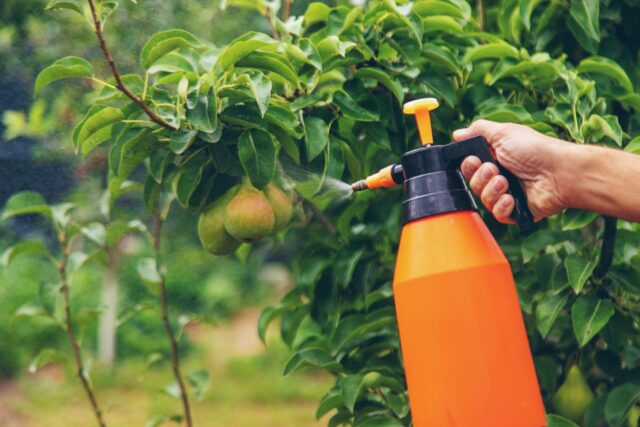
[465, 350]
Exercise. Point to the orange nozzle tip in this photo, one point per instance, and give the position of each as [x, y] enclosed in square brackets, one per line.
[420, 104]
[382, 178]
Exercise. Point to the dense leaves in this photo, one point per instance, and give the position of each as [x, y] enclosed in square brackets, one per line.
[323, 94]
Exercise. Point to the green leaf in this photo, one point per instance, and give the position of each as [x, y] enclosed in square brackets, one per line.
[316, 12]
[439, 8]
[575, 219]
[351, 387]
[200, 380]
[526, 9]
[257, 152]
[578, 271]
[596, 128]
[332, 46]
[633, 146]
[129, 150]
[188, 177]
[584, 23]
[267, 316]
[260, 87]
[27, 247]
[441, 57]
[558, 421]
[204, 115]
[305, 51]
[241, 47]
[182, 140]
[507, 113]
[26, 203]
[607, 67]
[316, 136]
[445, 24]
[74, 5]
[148, 271]
[384, 79]
[490, 51]
[96, 129]
[350, 108]
[378, 420]
[547, 311]
[165, 42]
[68, 67]
[589, 316]
[619, 402]
[270, 61]
[46, 356]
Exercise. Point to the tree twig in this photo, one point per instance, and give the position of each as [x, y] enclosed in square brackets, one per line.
[75, 347]
[97, 27]
[272, 24]
[287, 10]
[608, 247]
[164, 300]
[326, 222]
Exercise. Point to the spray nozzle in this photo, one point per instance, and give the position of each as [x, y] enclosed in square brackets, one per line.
[393, 174]
[388, 176]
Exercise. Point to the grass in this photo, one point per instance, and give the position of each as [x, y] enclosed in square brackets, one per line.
[247, 389]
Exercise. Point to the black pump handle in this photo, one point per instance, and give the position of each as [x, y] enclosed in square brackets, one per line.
[456, 152]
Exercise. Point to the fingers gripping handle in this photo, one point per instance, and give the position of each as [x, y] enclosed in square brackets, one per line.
[457, 152]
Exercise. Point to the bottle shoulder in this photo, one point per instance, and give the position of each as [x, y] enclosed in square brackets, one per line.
[448, 242]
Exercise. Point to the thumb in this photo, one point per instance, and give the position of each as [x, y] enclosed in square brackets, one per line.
[485, 128]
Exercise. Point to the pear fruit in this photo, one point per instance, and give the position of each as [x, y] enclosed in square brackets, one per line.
[213, 235]
[281, 205]
[574, 396]
[249, 216]
[633, 417]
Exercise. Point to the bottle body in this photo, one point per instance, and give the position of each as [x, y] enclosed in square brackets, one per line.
[465, 349]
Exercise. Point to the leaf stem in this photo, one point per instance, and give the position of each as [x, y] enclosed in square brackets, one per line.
[75, 346]
[481, 15]
[164, 300]
[103, 83]
[97, 27]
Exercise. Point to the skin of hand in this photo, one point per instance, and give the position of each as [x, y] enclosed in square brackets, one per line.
[531, 156]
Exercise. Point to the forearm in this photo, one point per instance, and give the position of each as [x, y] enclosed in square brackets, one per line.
[602, 180]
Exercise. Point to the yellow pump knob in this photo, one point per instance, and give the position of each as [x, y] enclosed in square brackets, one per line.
[421, 109]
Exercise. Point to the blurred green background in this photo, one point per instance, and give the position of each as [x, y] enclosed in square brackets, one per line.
[218, 299]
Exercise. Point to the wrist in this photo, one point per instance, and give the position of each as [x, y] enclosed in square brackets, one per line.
[576, 164]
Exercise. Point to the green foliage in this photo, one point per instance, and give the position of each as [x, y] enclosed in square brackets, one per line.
[330, 85]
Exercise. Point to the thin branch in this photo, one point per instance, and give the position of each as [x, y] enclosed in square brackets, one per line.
[97, 26]
[272, 24]
[287, 10]
[75, 347]
[481, 15]
[608, 247]
[164, 300]
[322, 218]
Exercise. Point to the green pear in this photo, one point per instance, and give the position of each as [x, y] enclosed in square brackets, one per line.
[633, 417]
[281, 204]
[574, 396]
[249, 216]
[213, 235]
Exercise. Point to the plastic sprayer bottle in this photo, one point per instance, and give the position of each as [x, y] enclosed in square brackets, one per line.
[464, 345]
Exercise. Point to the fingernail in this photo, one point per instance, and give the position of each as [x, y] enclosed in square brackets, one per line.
[505, 202]
[459, 132]
[486, 172]
[497, 185]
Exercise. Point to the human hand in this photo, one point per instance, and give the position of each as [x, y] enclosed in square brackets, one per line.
[531, 156]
